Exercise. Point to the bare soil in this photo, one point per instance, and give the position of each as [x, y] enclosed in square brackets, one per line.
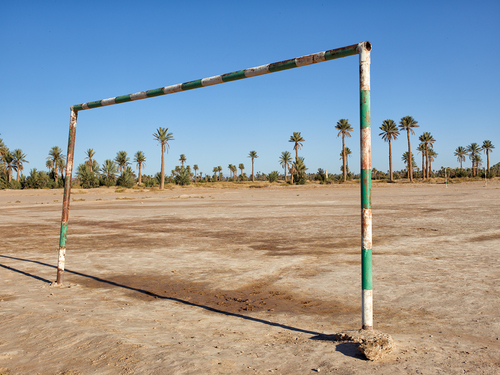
[249, 281]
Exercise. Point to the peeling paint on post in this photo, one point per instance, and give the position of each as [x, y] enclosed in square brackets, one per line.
[66, 199]
[366, 186]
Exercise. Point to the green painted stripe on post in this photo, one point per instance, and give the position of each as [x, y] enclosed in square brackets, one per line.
[240, 74]
[95, 104]
[154, 92]
[191, 85]
[282, 65]
[77, 107]
[364, 101]
[123, 99]
[341, 52]
[64, 232]
[366, 266]
[366, 188]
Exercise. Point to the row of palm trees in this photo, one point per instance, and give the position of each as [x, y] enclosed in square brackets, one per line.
[473, 151]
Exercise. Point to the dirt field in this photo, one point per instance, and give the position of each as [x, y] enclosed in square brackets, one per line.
[249, 281]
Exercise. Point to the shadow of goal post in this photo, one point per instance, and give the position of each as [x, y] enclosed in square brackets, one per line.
[362, 49]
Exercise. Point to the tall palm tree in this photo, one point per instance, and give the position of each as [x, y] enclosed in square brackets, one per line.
[8, 159]
[163, 137]
[234, 169]
[182, 159]
[285, 160]
[428, 140]
[407, 159]
[219, 169]
[432, 156]
[478, 161]
[122, 160]
[241, 167]
[253, 155]
[49, 164]
[140, 160]
[421, 148]
[460, 153]
[473, 149]
[109, 169]
[344, 128]
[348, 154]
[215, 170]
[19, 159]
[389, 132]
[195, 168]
[297, 139]
[408, 123]
[487, 148]
[56, 155]
[89, 157]
[230, 167]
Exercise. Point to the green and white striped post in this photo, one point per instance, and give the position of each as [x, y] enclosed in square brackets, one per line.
[362, 49]
[366, 186]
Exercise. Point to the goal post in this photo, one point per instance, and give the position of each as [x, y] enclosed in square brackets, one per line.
[362, 49]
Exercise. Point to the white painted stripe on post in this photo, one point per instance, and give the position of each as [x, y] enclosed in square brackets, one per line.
[138, 95]
[215, 80]
[366, 233]
[310, 59]
[367, 304]
[173, 88]
[109, 101]
[257, 71]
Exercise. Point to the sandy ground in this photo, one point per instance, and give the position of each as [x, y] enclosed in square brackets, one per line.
[249, 281]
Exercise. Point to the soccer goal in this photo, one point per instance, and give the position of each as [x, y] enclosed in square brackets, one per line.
[362, 49]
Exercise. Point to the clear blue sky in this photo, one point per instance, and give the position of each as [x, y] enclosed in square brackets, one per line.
[434, 60]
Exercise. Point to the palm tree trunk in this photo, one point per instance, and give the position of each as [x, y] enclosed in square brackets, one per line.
[162, 172]
[428, 164]
[410, 162]
[343, 156]
[423, 166]
[488, 160]
[285, 171]
[253, 178]
[139, 173]
[390, 159]
[17, 178]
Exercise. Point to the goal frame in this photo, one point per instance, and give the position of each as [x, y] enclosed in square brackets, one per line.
[362, 49]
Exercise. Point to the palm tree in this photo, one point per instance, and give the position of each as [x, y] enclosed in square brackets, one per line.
[487, 148]
[407, 159]
[163, 136]
[460, 153]
[297, 139]
[241, 167]
[432, 156]
[253, 155]
[109, 169]
[219, 169]
[195, 168]
[428, 140]
[57, 157]
[122, 160]
[344, 128]
[408, 123]
[49, 164]
[389, 132]
[19, 159]
[478, 160]
[234, 170]
[230, 167]
[182, 159]
[473, 149]
[421, 148]
[8, 159]
[348, 153]
[285, 160]
[90, 155]
[215, 170]
[140, 159]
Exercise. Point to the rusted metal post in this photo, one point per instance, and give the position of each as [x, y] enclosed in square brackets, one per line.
[66, 198]
[366, 186]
